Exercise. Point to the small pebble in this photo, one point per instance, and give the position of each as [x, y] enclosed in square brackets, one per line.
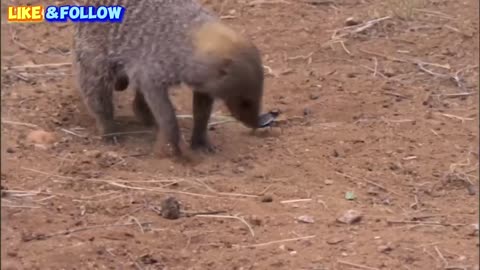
[307, 111]
[350, 21]
[112, 155]
[350, 217]
[266, 198]
[255, 220]
[148, 259]
[334, 240]
[372, 191]
[384, 248]
[12, 254]
[239, 169]
[306, 219]
[350, 195]
[471, 190]
[328, 182]
[475, 230]
[93, 153]
[389, 72]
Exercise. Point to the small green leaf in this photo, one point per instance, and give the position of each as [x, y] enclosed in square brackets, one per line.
[350, 195]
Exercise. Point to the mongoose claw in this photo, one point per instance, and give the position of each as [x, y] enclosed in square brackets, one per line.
[111, 139]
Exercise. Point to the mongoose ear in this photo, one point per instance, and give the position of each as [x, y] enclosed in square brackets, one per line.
[225, 66]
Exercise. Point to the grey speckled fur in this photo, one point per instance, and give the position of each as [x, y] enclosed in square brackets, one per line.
[155, 52]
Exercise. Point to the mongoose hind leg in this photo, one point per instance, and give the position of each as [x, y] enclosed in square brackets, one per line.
[156, 97]
[202, 108]
[97, 93]
[141, 110]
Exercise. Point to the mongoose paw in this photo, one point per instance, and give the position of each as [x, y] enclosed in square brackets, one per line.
[203, 146]
[111, 139]
[109, 132]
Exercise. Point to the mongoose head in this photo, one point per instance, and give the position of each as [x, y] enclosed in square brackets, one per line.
[235, 71]
[242, 88]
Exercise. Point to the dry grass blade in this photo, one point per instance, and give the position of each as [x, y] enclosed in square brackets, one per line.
[456, 95]
[437, 13]
[226, 194]
[295, 201]
[394, 59]
[451, 116]
[163, 190]
[359, 266]
[21, 193]
[19, 206]
[350, 30]
[159, 190]
[422, 67]
[128, 133]
[223, 119]
[432, 223]
[70, 231]
[19, 124]
[216, 123]
[369, 182]
[54, 65]
[231, 217]
[279, 241]
[260, 2]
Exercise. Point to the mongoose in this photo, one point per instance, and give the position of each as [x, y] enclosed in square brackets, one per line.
[160, 44]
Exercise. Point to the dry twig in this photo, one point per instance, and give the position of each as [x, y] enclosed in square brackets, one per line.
[295, 201]
[369, 182]
[70, 231]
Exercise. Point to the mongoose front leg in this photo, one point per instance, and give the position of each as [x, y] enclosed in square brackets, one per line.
[202, 108]
[141, 110]
[163, 111]
[97, 95]
[101, 105]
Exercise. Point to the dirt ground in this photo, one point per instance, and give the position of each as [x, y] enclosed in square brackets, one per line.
[379, 117]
